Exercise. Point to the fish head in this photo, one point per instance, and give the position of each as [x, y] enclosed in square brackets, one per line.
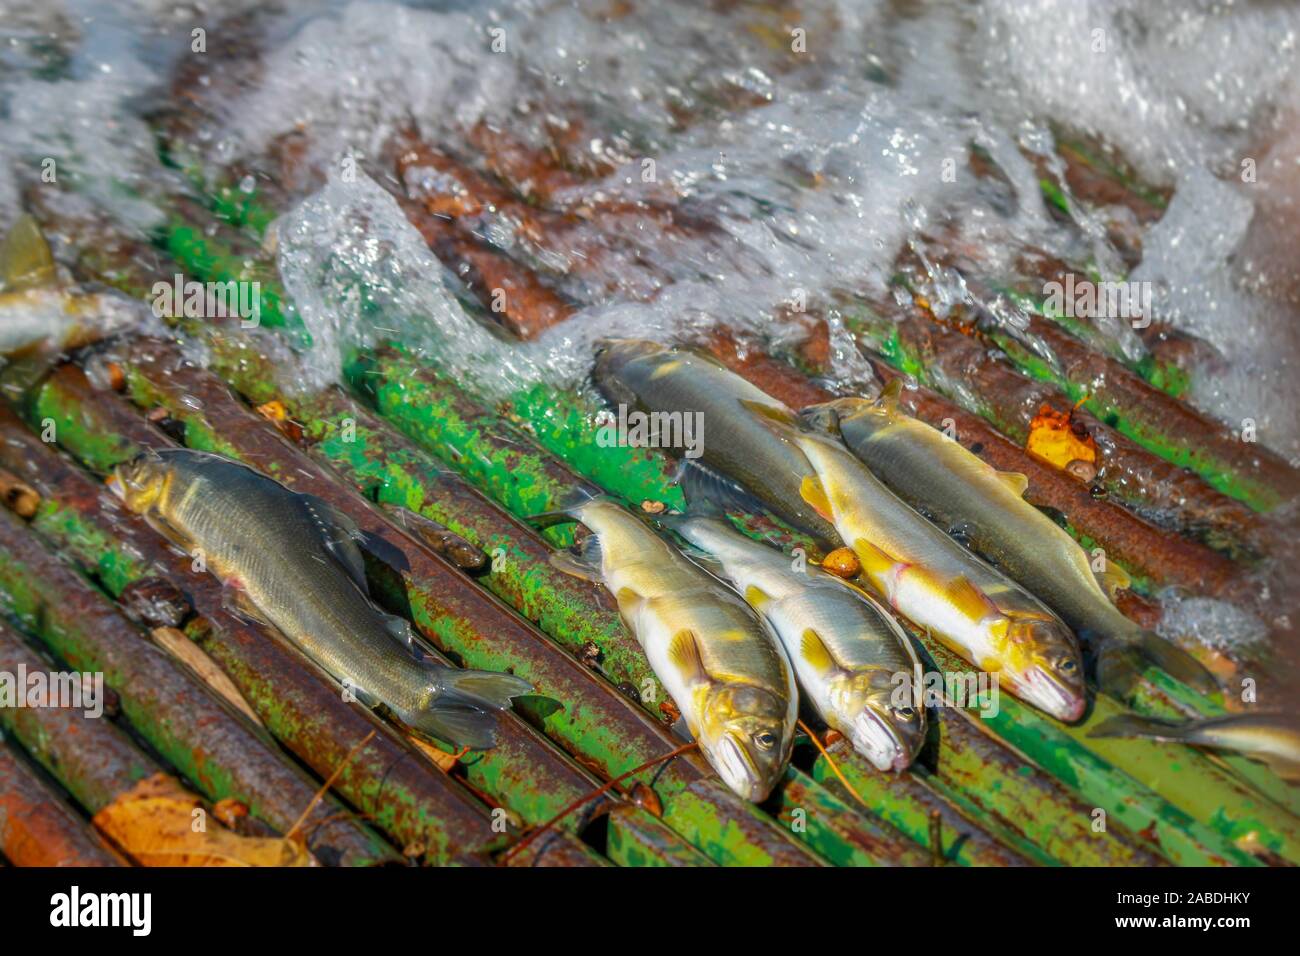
[881, 716]
[611, 372]
[747, 733]
[141, 482]
[1046, 667]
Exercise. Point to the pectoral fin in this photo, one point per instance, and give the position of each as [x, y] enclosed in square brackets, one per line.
[816, 653]
[967, 598]
[571, 564]
[684, 654]
[813, 491]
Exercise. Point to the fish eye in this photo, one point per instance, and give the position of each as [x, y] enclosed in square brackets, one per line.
[766, 740]
[905, 713]
[1068, 665]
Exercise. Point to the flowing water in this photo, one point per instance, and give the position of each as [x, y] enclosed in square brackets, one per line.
[808, 148]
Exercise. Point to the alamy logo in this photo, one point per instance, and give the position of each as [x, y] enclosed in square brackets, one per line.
[62, 689]
[208, 300]
[103, 909]
[967, 690]
[634, 429]
[1099, 300]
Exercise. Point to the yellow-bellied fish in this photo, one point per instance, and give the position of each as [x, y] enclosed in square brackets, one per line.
[973, 609]
[291, 561]
[729, 677]
[965, 495]
[657, 380]
[852, 659]
[1272, 739]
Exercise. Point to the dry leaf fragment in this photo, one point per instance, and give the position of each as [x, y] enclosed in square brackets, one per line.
[155, 824]
[204, 667]
[1053, 438]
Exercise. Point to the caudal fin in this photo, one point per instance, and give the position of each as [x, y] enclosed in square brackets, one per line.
[1130, 725]
[465, 711]
[1120, 663]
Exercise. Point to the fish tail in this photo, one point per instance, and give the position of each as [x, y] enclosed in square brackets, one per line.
[1120, 662]
[464, 710]
[1130, 725]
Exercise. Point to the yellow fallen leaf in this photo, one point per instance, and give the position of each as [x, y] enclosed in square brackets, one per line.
[1053, 439]
[444, 761]
[155, 824]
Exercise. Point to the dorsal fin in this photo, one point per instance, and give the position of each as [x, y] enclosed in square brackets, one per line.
[887, 401]
[1014, 480]
[25, 259]
[684, 654]
[340, 534]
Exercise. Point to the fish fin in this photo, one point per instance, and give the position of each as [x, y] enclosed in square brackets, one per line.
[813, 491]
[773, 412]
[875, 562]
[684, 653]
[1131, 725]
[628, 600]
[756, 597]
[399, 629]
[340, 534]
[1014, 480]
[887, 401]
[25, 258]
[683, 731]
[1288, 770]
[1176, 662]
[570, 563]
[565, 510]
[708, 492]
[236, 600]
[966, 597]
[1113, 579]
[487, 689]
[822, 417]
[815, 651]
[169, 531]
[456, 724]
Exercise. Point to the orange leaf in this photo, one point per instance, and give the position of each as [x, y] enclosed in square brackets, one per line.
[156, 824]
[1053, 439]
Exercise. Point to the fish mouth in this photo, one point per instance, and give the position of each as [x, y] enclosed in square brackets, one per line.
[1047, 692]
[878, 740]
[737, 769]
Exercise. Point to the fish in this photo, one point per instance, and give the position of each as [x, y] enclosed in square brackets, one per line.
[852, 660]
[1271, 739]
[727, 674]
[40, 317]
[291, 561]
[968, 497]
[739, 450]
[969, 606]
